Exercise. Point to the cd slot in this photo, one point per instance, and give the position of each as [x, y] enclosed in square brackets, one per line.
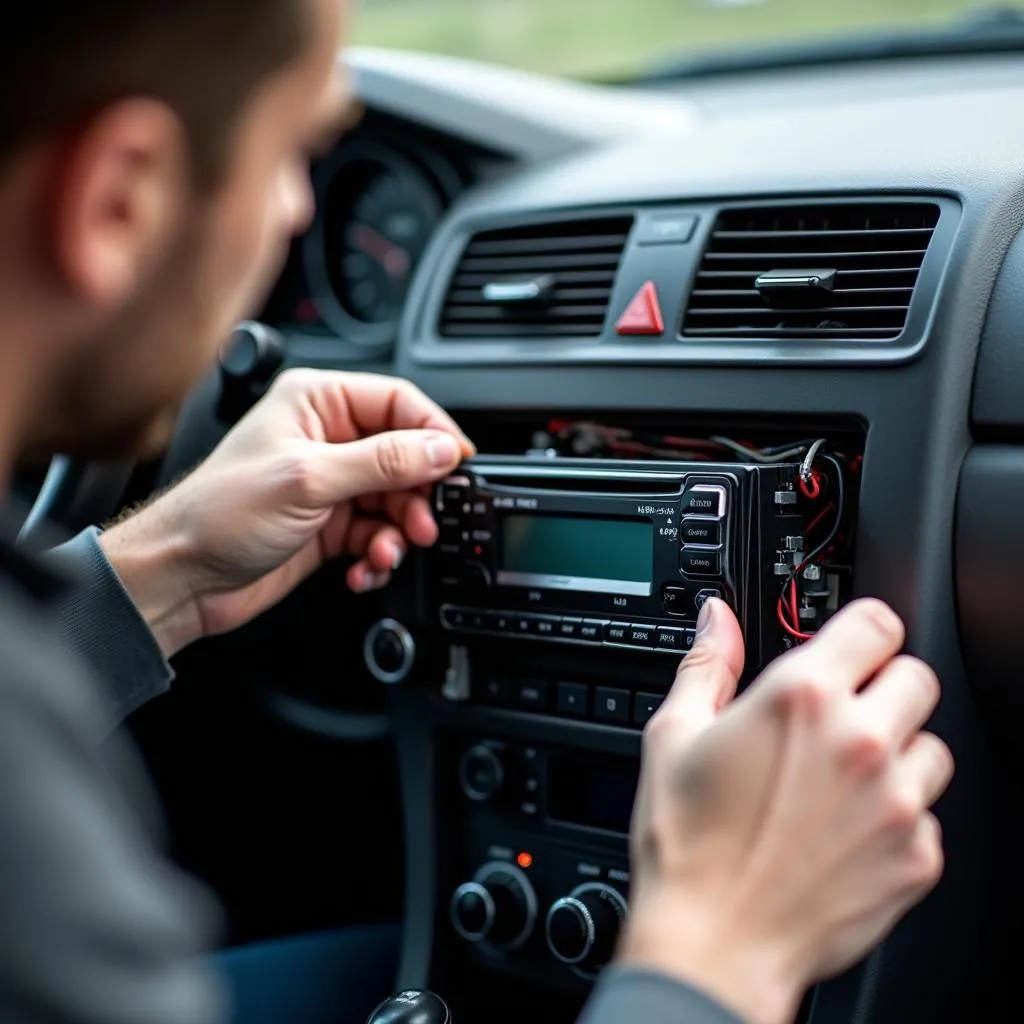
[585, 483]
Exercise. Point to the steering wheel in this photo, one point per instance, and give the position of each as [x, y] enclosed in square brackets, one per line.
[76, 494]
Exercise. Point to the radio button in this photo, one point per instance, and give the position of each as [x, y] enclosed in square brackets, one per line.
[670, 638]
[494, 691]
[522, 624]
[532, 694]
[592, 629]
[641, 636]
[572, 699]
[645, 705]
[700, 562]
[455, 618]
[502, 622]
[611, 705]
[476, 577]
[678, 600]
[704, 595]
[569, 629]
[705, 500]
[700, 531]
[617, 633]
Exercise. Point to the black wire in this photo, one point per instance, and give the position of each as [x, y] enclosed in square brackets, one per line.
[840, 501]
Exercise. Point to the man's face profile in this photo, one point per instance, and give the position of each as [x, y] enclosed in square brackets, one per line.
[144, 268]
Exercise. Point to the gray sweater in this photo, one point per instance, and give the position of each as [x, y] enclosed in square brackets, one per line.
[96, 926]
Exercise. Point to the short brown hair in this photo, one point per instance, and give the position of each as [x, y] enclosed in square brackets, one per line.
[62, 61]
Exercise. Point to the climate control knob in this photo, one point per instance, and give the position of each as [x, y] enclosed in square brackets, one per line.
[583, 927]
[481, 773]
[498, 908]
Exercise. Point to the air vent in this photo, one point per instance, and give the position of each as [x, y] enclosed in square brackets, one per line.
[542, 281]
[825, 271]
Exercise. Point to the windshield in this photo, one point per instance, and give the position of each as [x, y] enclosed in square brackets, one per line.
[623, 38]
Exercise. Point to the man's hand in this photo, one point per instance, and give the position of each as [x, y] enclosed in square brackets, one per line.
[776, 841]
[327, 464]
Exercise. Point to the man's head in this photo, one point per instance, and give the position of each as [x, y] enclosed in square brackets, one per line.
[153, 168]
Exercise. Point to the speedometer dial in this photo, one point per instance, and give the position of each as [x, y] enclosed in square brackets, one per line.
[378, 213]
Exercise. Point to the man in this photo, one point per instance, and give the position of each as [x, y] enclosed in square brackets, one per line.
[152, 170]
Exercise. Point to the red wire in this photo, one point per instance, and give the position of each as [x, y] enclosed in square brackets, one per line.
[811, 487]
[818, 518]
[780, 611]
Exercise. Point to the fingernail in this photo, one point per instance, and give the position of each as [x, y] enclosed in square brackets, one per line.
[705, 617]
[374, 581]
[442, 451]
[397, 558]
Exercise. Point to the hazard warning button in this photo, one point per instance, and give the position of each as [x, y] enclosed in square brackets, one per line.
[643, 314]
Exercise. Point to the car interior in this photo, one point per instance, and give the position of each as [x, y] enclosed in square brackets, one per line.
[745, 324]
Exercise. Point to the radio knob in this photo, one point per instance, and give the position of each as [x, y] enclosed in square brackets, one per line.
[389, 651]
[497, 908]
[481, 773]
[583, 927]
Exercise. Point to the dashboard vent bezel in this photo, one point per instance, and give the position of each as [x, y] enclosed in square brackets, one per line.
[675, 269]
[549, 279]
[811, 271]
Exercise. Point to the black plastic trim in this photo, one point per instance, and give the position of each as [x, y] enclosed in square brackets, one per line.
[673, 269]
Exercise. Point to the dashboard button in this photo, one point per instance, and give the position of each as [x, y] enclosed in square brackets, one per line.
[494, 691]
[569, 629]
[665, 229]
[702, 596]
[670, 638]
[545, 627]
[592, 629]
[532, 694]
[700, 531]
[641, 636]
[617, 632]
[705, 500]
[572, 699]
[645, 705]
[455, 618]
[611, 705]
[678, 600]
[502, 622]
[522, 625]
[700, 562]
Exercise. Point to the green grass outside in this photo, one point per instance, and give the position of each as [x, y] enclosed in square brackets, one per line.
[596, 38]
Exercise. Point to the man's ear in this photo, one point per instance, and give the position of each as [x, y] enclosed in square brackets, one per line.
[118, 198]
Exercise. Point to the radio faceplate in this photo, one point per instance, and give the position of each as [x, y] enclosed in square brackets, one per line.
[601, 553]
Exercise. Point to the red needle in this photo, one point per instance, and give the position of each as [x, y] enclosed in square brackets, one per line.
[393, 258]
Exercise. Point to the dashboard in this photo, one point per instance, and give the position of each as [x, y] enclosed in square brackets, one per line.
[754, 265]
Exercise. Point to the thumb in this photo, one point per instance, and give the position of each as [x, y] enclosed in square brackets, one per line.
[393, 461]
[709, 674]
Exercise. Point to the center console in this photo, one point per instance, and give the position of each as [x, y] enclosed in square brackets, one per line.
[545, 630]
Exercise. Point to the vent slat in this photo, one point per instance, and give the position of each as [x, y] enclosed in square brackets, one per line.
[569, 265]
[567, 243]
[875, 248]
[753, 333]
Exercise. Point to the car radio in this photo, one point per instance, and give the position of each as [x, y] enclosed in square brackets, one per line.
[614, 554]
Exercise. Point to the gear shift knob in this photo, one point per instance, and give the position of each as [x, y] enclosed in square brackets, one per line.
[412, 1007]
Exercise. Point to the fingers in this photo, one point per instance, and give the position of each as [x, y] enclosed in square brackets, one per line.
[926, 769]
[901, 699]
[359, 404]
[395, 461]
[852, 646]
[709, 674]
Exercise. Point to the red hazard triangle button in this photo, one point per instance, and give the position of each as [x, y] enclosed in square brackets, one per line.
[643, 314]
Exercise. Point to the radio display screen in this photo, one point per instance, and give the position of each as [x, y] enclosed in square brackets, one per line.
[614, 556]
[591, 793]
